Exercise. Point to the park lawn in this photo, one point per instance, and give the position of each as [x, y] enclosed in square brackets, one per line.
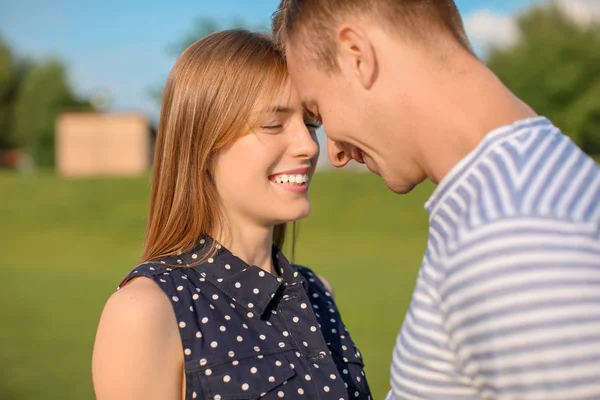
[67, 243]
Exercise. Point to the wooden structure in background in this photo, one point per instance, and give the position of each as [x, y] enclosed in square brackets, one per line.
[95, 144]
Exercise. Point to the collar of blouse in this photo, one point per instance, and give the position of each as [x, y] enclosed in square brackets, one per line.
[247, 285]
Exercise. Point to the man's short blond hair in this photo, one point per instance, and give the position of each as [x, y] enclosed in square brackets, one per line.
[313, 22]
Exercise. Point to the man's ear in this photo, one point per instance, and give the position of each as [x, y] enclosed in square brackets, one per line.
[356, 54]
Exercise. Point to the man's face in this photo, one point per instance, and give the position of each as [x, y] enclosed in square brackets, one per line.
[324, 94]
[354, 120]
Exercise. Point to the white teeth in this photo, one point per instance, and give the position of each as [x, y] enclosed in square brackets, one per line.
[297, 179]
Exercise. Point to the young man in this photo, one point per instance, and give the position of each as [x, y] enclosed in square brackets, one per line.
[507, 302]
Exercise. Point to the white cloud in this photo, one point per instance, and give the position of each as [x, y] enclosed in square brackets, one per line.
[582, 11]
[491, 29]
[486, 28]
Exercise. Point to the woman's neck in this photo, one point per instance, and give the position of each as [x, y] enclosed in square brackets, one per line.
[253, 244]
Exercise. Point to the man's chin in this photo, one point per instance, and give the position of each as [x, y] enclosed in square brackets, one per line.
[371, 166]
[400, 187]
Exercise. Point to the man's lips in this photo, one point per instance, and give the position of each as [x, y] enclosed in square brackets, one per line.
[357, 155]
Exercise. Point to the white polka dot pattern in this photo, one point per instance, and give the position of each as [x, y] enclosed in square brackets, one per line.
[241, 327]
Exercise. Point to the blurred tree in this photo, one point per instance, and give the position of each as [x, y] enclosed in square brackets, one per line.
[43, 94]
[555, 68]
[10, 75]
[202, 27]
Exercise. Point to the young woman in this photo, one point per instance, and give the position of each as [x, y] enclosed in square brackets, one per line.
[215, 311]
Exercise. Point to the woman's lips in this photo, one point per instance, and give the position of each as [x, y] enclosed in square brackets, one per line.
[292, 187]
[294, 180]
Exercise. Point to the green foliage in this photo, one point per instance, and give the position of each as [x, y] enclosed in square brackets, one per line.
[8, 80]
[554, 68]
[43, 95]
[12, 73]
[31, 97]
[6, 69]
[67, 243]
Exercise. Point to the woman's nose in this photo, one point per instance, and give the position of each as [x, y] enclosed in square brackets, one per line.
[306, 146]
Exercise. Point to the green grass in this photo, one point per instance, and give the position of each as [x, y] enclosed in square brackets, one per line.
[66, 244]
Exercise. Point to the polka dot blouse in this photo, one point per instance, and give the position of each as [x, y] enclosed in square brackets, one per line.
[247, 334]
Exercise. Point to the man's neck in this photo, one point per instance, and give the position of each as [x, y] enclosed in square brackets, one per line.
[470, 106]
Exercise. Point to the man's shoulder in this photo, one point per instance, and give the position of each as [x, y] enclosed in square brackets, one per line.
[536, 176]
[539, 172]
[315, 281]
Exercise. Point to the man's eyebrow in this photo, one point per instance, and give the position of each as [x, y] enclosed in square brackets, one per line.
[311, 110]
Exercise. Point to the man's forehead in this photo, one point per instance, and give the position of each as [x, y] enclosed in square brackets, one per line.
[296, 58]
[307, 98]
[302, 77]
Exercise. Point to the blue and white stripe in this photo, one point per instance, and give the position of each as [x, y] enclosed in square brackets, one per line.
[507, 301]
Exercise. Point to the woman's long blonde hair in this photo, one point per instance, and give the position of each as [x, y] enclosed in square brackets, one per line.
[212, 93]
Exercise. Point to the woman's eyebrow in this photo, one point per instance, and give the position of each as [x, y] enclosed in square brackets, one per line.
[281, 109]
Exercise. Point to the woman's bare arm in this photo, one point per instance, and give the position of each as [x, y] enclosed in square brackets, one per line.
[138, 352]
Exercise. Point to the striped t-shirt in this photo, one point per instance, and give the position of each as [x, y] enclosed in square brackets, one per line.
[507, 301]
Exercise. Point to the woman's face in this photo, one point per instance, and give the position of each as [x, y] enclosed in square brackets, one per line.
[263, 177]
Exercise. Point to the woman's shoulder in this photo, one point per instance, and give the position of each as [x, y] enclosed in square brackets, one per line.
[146, 299]
[153, 270]
[140, 304]
[138, 312]
[137, 332]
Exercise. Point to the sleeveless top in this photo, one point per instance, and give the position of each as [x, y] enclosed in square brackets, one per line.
[247, 334]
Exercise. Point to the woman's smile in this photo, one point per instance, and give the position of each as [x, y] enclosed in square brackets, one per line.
[294, 180]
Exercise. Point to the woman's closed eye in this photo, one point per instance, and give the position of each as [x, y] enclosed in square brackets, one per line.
[272, 126]
[312, 121]
[311, 124]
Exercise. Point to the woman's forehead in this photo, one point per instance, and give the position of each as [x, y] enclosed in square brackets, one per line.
[286, 101]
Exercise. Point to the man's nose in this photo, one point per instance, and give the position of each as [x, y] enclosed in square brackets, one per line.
[339, 154]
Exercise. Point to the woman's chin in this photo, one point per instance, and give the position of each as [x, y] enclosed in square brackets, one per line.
[297, 213]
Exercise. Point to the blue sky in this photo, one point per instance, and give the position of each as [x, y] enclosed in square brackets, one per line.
[123, 46]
